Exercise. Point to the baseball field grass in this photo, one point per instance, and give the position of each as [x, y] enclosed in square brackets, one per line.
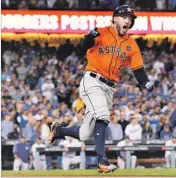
[93, 172]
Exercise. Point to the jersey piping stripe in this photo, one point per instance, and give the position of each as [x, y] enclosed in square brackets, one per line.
[113, 53]
[86, 116]
[119, 56]
[89, 98]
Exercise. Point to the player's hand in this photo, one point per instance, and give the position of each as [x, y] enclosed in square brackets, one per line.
[88, 40]
[94, 33]
[149, 86]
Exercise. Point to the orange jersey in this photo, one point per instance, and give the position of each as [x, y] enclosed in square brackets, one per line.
[112, 53]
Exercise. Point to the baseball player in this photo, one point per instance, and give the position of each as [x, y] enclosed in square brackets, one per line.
[21, 152]
[39, 161]
[121, 158]
[70, 157]
[109, 51]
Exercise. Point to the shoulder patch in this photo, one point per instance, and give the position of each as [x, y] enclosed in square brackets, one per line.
[128, 48]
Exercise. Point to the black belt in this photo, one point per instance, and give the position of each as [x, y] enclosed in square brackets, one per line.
[104, 80]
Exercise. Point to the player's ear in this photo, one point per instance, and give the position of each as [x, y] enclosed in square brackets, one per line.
[114, 19]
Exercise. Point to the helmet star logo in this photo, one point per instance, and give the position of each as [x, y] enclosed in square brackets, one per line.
[129, 9]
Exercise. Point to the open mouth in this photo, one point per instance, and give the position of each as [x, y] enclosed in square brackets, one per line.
[125, 27]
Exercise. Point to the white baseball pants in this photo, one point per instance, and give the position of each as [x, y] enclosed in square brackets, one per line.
[97, 97]
[121, 162]
[39, 164]
[67, 161]
[19, 164]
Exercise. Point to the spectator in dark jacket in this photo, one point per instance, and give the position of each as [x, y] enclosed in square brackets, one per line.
[166, 133]
[21, 152]
[122, 121]
[147, 131]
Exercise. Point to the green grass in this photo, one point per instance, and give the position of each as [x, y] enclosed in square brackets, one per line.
[125, 172]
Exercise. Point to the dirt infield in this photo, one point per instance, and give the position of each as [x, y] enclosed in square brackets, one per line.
[98, 177]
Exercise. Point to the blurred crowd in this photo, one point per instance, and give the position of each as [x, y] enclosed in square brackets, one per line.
[155, 5]
[40, 84]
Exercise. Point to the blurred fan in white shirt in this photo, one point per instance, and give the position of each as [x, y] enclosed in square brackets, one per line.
[134, 129]
[69, 157]
[39, 161]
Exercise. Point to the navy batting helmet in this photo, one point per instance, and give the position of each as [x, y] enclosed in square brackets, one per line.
[124, 9]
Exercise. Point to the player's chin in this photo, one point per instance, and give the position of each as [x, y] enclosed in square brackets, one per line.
[122, 33]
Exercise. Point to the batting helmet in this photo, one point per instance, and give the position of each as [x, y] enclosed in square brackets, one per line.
[124, 9]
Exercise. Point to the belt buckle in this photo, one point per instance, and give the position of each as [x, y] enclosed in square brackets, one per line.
[114, 85]
[106, 81]
[98, 76]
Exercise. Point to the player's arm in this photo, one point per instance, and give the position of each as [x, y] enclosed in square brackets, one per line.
[89, 39]
[142, 79]
[136, 64]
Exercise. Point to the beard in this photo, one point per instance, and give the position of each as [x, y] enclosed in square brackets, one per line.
[119, 28]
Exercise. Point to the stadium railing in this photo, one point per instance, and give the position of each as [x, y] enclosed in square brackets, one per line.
[148, 152]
